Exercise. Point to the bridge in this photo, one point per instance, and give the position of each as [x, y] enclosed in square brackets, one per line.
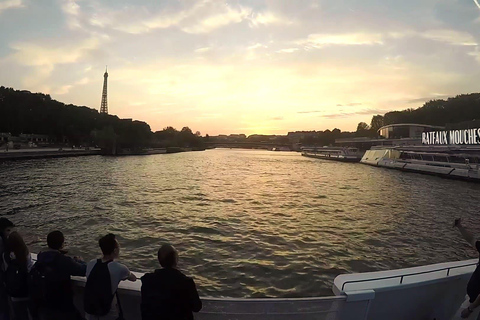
[247, 145]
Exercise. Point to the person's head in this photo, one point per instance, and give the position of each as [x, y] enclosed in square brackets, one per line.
[17, 246]
[109, 245]
[6, 227]
[55, 240]
[167, 256]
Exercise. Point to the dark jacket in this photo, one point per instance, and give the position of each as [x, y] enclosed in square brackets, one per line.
[59, 284]
[168, 294]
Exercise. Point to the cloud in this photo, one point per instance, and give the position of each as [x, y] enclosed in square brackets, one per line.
[62, 90]
[267, 18]
[367, 39]
[346, 39]
[289, 50]
[425, 99]
[277, 118]
[203, 50]
[475, 54]
[201, 17]
[45, 57]
[352, 104]
[223, 17]
[343, 114]
[450, 36]
[10, 4]
[349, 114]
[33, 54]
[310, 111]
[256, 46]
[72, 10]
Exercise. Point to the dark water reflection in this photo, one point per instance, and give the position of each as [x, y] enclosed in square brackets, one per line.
[246, 223]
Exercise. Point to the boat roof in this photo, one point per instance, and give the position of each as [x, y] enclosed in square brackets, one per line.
[411, 125]
[466, 155]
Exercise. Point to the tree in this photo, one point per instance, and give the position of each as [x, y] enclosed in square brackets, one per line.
[363, 130]
[362, 126]
[376, 123]
[105, 139]
[36, 113]
[186, 130]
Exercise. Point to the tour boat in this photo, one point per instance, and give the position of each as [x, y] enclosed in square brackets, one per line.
[430, 292]
[333, 153]
[458, 164]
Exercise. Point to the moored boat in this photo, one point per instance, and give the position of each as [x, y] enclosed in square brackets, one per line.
[455, 163]
[333, 153]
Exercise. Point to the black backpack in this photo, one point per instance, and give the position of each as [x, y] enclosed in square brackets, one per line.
[40, 284]
[16, 277]
[98, 296]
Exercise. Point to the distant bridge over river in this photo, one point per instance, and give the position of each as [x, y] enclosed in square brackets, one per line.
[248, 145]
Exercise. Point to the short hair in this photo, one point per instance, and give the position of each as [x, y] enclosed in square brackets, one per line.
[17, 245]
[167, 256]
[5, 223]
[55, 240]
[108, 244]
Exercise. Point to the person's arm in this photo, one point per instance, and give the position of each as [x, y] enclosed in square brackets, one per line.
[29, 262]
[126, 274]
[74, 268]
[195, 302]
[4, 264]
[131, 277]
[467, 311]
[465, 233]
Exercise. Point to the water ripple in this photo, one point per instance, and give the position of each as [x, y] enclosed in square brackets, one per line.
[246, 223]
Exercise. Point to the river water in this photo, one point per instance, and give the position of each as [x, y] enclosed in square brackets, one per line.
[246, 223]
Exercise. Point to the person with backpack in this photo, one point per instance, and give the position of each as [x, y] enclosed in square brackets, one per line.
[17, 263]
[167, 293]
[103, 277]
[6, 227]
[51, 282]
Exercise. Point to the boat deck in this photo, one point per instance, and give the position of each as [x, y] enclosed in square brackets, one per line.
[427, 292]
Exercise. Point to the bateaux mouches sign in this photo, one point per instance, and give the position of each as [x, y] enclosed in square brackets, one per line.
[465, 136]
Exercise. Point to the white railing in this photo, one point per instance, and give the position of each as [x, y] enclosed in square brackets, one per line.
[400, 277]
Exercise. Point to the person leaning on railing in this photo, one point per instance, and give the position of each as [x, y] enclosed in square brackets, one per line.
[59, 267]
[167, 293]
[6, 227]
[473, 286]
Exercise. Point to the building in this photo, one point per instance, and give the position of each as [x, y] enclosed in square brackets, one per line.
[297, 136]
[35, 138]
[4, 137]
[401, 134]
[406, 130]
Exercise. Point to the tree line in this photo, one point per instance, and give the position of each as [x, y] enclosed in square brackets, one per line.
[36, 113]
[437, 112]
[24, 112]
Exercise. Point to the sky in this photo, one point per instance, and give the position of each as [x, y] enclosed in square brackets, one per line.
[243, 66]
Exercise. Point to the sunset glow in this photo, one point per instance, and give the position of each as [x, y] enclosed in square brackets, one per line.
[221, 67]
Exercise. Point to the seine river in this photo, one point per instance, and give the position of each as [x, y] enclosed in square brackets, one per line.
[246, 223]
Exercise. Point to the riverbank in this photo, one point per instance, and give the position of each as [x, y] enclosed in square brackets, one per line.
[41, 153]
[24, 154]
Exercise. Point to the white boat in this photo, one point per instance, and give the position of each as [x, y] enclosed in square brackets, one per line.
[458, 164]
[428, 292]
[333, 153]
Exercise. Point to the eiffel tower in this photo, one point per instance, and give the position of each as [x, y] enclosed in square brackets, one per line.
[104, 106]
